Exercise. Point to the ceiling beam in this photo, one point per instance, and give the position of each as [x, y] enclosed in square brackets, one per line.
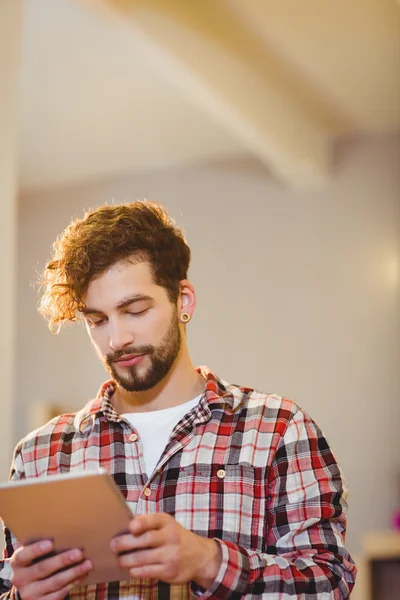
[200, 47]
[349, 50]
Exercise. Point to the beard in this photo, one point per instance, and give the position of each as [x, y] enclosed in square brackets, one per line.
[161, 358]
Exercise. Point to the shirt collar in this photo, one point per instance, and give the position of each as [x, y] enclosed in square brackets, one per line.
[218, 394]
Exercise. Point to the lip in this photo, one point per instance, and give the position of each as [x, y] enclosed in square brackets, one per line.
[131, 360]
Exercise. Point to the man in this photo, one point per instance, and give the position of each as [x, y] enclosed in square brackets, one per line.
[236, 493]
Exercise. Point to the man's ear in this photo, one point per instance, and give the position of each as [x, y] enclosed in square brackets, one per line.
[186, 301]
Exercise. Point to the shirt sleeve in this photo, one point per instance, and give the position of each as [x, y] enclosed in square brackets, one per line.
[306, 528]
[7, 590]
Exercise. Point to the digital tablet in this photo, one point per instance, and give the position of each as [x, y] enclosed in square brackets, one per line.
[77, 510]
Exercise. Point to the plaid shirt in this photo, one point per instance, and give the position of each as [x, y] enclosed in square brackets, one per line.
[250, 470]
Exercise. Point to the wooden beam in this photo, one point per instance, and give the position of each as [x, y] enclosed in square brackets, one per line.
[200, 47]
[350, 51]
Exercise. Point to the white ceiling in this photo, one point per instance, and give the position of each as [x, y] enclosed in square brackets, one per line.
[92, 107]
[104, 93]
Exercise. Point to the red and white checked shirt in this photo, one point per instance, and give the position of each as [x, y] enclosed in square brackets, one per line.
[250, 470]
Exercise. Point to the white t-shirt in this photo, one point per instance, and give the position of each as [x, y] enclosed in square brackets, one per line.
[154, 429]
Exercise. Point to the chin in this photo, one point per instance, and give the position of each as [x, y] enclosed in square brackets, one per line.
[136, 387]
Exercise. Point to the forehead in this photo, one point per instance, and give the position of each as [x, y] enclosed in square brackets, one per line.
[121, 281]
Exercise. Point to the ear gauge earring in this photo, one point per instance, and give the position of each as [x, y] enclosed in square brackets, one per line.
[185, 317]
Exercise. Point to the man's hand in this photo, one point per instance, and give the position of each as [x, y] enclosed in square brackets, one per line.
[158, 547]
[37, 580]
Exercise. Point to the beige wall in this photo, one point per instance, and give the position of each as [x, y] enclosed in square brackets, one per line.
[10, 35]
[298, 294]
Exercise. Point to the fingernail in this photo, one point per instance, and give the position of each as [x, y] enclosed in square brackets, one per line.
[134, 528]
[75, 555]
[46, 545]
[87, 565]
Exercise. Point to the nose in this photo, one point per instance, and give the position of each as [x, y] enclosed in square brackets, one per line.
[119, 336]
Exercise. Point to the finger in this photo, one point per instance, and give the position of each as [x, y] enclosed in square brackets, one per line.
[126, 543]
[140, 558]
[23, 557]
[149, 571]
[49, 566]
[61, 594]
[37, 589]
[122, 543]
[143, 523]
[60, 580]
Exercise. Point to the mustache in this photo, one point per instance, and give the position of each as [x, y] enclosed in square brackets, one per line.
[119, 354]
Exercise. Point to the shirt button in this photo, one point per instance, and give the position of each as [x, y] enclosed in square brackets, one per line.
[221, 473]
[133, 437]
[147, 492]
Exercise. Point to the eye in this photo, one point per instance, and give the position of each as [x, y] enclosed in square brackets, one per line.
[137, 313]
[92, 324]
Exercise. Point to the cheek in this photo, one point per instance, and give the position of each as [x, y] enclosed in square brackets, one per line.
[99, 341]
[154, 326]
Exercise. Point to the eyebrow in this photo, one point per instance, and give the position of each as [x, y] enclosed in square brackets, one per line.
[120, 305]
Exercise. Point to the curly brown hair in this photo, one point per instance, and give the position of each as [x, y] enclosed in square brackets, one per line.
[140, 230]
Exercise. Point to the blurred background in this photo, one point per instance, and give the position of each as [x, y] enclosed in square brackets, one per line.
[271, 132]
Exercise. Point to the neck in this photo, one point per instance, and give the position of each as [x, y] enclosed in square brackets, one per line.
[181, 384]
